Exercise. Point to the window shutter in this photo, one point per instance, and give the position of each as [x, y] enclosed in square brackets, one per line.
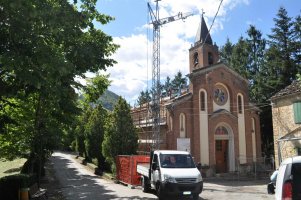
[297, 112]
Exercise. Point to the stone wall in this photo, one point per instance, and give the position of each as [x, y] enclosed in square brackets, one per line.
[283, 124]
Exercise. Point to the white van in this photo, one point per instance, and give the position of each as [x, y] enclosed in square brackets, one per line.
[172, 174]
[288, 184]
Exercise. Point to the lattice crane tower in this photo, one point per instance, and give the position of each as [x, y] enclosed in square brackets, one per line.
[156, 93]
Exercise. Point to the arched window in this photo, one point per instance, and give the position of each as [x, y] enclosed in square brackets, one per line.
[253, 135]
[170, 122]
[221, 130]
[253, 125]
[195, 58]
[182, 126]
[202, 101]
[239, 103]
[210, 58]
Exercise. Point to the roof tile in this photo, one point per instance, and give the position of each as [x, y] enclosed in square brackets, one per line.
[293, 88]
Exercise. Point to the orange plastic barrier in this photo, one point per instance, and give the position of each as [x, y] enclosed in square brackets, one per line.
[126, 168]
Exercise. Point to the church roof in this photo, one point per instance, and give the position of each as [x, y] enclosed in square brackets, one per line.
[205, 70]
[203, 35]
[293, 88]
[179, 100]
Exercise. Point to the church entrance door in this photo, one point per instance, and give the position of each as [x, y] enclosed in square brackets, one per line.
[221, 155]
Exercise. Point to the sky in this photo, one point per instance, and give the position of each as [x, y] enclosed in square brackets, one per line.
[132, 30]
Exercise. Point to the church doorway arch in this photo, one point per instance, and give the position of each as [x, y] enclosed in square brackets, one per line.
[224, 148]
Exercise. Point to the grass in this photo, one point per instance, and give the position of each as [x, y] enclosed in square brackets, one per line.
[11, 167]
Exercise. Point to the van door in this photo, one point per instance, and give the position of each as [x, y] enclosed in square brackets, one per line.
[296, 175]
[279, 182]
[155, 172]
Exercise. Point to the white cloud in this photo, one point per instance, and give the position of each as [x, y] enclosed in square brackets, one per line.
[129, 77]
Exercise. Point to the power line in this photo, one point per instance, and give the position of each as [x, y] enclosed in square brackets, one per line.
[213, 20]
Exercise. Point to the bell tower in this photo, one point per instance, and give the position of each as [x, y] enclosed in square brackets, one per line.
[202, 53]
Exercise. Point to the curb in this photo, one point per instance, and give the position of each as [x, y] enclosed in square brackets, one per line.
[93, 168]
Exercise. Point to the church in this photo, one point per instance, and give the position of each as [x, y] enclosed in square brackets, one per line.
[213, 119]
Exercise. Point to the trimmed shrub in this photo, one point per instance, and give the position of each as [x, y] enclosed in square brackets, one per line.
[10, 185]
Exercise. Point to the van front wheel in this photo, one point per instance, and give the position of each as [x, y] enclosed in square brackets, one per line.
[145, 184]
[159, 192]
[195, 197]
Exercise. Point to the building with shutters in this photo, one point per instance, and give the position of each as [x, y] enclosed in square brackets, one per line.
[213, 118]
[286, 112]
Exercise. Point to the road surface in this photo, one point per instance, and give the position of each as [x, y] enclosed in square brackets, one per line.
[78, 183]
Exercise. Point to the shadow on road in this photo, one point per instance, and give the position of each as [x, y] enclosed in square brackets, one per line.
[74, 185]
[235, 182]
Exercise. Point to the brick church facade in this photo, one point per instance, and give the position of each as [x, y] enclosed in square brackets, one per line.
[214, 119]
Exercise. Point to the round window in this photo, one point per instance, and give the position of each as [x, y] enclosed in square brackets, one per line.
[220, 95]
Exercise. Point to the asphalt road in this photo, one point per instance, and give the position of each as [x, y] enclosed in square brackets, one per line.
[76, 182]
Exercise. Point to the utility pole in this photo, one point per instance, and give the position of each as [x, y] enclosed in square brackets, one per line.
[156, 94]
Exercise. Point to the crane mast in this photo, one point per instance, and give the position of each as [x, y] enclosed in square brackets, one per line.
[156, 91]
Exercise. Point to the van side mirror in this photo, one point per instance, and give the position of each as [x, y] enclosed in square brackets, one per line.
[154, 166]
[199, 166]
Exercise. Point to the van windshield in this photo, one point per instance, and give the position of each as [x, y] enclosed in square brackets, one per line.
[296, 172]
[176, 161]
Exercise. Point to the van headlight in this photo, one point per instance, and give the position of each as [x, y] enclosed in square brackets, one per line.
[199, 178]
[168, 178]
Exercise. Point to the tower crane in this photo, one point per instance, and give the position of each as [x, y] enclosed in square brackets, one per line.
[156, 93]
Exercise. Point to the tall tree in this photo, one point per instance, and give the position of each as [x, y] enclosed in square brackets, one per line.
[144, 97]
[167, 87]
[121, 136]
[179, 81]
[80, 130]
[226, 52]
[240, 57]
[95, 87]
[281, 51]
[278, 71]
[256, 46]
[40, 57]
[94, 134]
[297, 42]
[91, 121]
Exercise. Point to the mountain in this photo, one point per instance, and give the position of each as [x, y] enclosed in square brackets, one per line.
[108, 100]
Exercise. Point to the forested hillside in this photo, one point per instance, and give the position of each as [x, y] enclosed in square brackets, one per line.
[108, 100]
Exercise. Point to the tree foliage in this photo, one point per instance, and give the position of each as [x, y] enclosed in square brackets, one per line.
[280, 55]
[144, 97]
[269, 64]
[256, 61]
[96, 86]
[44, 46]
[121, 135]
[108, 100]
[94, 135]
[226, 52]
[297, 42]
[170, 87]
[239, 58]
[179, 81]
